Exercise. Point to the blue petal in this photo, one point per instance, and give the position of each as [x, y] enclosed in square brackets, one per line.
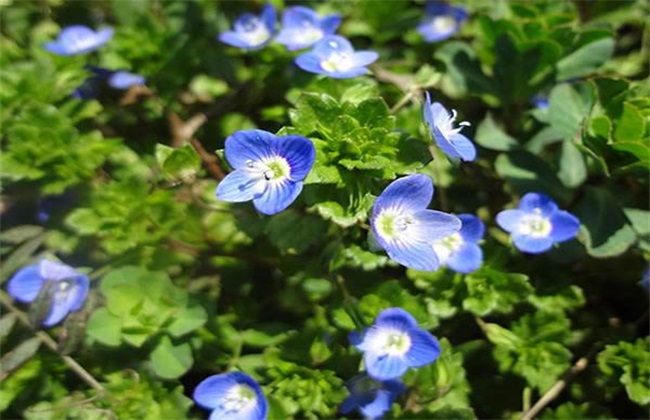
[347, 74]
[80, 292]
[430, 34]
[432, 225]
[363, 58]
[332, 44]
[78, 39]
[235, 39]
[209, 392]
[124, 80]
[349, 404]
[356, 337]
[466, 259]
[25, 284]
[424, 348]
[445, 144]
[565, 226]
[397, 318]
[268, 17]
[299, 17]
[65, 302]
[394, 387]
[103, 36]
[299, 152]
[536, 201]
[418, 255]
[330, 23]
[241, 185]
[463, 146]
[277, 197]
[54, 270]
[56, 48]
[509, 220]
[310, 62]
[532, 244]
[385, 366]
[377, 406]
[472, 228]
[245, 145]
[410, 193]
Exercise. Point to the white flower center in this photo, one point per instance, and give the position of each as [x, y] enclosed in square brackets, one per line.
[393, 342]
[446, 246]
[391, 225]
[337, 61]
[273, 169]
[255, 31]
[535, 225]
[239, 398]
[446, 125]
[309, 35]
[443, 24]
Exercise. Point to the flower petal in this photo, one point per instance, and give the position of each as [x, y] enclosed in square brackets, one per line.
[347, 74]
[466, 259]
[532, 244]
[377, 406]
[26, 283]
[509, 220]
[363, 58]
[444, 143]
[310, 62]
[463, 146]
[432, 225]
[241, 185]
[64, 302]
[565, 226]
[417, 255]
[380, 366]
[245, 145]
[472, 228]
[299, 152]
[54, 270]
[330, 23]
[332, 44]
[424, 348]
[299, 17]
[277, 197]
[209, 392]
[397, 318]
[268, 17]
[410, 194]
[124, 80]
[235, 39]
[536, 201]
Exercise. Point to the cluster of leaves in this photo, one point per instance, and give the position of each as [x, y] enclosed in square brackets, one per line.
[184, 286]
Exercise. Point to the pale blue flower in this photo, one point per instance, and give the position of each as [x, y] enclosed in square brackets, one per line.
[538, 224]
[302, 27]
[441, 125]
[335, 57]
[404, 227]
[78, 39]
[395, 343]
[269, 169]
[460, 251]
[251, 31]
[442, 21]
[65, 288]
[371, 397]
[124, 80]
[232, 396]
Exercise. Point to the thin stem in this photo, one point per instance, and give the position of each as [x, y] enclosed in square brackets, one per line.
[350, 304]
[49, 342]
[403, 101]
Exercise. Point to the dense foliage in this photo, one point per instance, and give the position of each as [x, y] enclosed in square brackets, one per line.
[112, 152]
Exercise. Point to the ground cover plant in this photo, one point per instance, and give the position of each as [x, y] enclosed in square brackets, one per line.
[334, 209]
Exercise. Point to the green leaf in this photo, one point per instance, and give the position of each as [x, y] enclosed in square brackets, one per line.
[491, 136]
[21, 233]
[630, 126]
[500, 336]
[489, 291]
[170, 361]
[463, 68]
[573, 170]
[607, 232]
[13, 359]
[105, 327]
[585, 60]
[7, 323]
[187, 319]
[630, 362]
[568, 106]
[526, 172]
[293, 233]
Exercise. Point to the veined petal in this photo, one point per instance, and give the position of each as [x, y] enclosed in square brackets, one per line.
[382, 367]
[396, 318]
[463, 146]
[277, 197]
[64, 300]
[472, 228]
[26, 283]
[532, 244]
[347, 74]
[509, 220]
[466, 259]
[208, 393]
[417, 255]
[241, 185]
[377, 406]
[80, 292]
[424, 348]
[299, 152]
[299, 17]
[410, 194]
[432, 225]
[565, 226]
[249, 145]
[533, 202]
[445, 144]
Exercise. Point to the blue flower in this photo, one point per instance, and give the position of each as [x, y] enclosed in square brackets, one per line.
[538, 223]
[231, 396]
[370, 396]
[448, 138]
[442, 21]
[645, 280]
[460, 251]
[540, 101]
[395, 343]
[269, 169]
[302, 27]
[334, 56]
[250, 31]
[124, 80]
[404, 227]
[78, 39]
[66, 288]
